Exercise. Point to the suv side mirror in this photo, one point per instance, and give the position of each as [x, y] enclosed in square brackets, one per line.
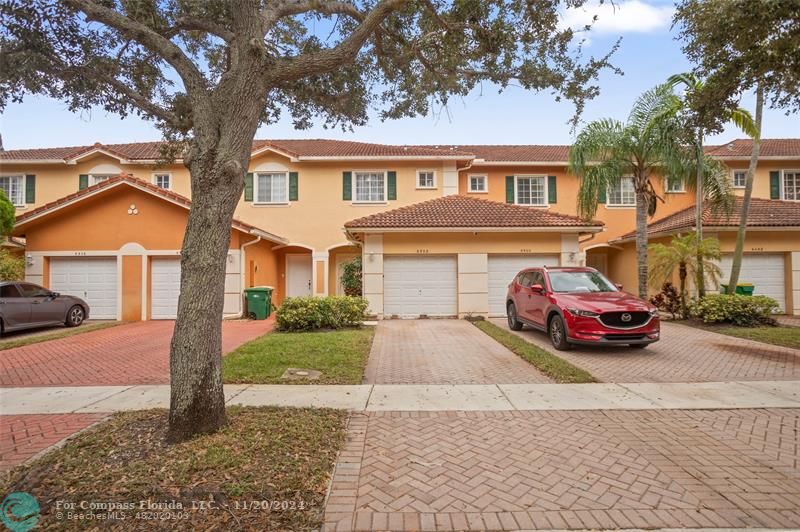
[537, 288]
[54, 295]
[618, 285]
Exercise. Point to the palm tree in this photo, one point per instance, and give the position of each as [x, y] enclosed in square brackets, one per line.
[743, 120]
[687, 254]
[607, 150]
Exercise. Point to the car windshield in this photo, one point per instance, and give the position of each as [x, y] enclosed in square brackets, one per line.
[580, 282]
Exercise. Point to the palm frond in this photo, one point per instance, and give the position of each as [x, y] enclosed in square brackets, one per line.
[742, 119]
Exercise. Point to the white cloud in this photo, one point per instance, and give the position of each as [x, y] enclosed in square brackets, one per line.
[625, 16]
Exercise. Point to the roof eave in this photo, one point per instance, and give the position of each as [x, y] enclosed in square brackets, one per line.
[450, 229]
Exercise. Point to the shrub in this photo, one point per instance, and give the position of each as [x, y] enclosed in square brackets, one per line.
[669, 300]
[309, 313]
[744, 311]
[351, 277]
[12, 268]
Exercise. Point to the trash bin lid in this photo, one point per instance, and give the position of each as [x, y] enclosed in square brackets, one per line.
[259, 289]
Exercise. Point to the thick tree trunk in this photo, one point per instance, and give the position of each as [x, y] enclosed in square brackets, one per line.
[217, 160]
[748, 193]
[700, 278]
[641, 239]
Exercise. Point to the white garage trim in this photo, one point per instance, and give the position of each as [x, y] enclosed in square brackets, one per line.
[420, 285]
[96, 280]
[767, 271]
[503, 268]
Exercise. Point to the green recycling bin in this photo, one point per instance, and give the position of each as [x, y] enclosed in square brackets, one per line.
[743, 289]
[259, 302]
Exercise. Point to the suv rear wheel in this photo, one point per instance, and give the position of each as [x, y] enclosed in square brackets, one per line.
[513, 323]
[558, 333]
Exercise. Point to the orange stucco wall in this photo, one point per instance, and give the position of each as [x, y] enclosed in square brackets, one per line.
[131, 288]
[261, 268]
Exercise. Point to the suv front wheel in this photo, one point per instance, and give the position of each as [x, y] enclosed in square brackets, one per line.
[558, 334]
[513, 323]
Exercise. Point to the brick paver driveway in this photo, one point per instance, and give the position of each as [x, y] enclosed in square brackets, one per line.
[442, 352]
[568, 470]
[135, 353]
[684, 354]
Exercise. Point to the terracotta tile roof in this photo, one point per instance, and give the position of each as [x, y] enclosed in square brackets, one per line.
[464, 211]
[763, 213]
[124, 178]
[789, 148]
[297, 148]
[519, 153]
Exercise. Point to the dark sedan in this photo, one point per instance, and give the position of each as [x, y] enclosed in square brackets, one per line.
[26, 306]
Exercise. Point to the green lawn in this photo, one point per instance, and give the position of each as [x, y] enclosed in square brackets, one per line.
[782, 336]
[262, 454]
[554, 367]
[56, 334]
[339, 355]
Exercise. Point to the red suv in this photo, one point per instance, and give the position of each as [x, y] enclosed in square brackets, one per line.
[579, 306]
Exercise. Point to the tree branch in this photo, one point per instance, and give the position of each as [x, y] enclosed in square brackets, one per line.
[196, 24]
[324, 61]
[298, 7]
[192, 77]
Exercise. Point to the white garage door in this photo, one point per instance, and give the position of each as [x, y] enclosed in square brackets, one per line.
[765, 271]
[414, 286]
[503, 268]
[165, 288]
[93, 279]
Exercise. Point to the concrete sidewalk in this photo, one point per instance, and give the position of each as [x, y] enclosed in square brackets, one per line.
[392, 397]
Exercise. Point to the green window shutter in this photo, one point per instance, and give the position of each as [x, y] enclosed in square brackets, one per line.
[248, 187]
[552, 194]
[775, 185]
[293, 186]
[347, 186]
[601, 197]
[83, 181]
[510, 189]
[30, 189]
[391, 186]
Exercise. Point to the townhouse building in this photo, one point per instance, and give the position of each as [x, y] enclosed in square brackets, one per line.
[441, 229]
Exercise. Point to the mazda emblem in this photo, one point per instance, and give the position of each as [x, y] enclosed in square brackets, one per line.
[625, 317]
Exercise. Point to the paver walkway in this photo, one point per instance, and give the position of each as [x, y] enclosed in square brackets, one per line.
[23, 436]
[684, 354]
[135, 353]
[568, 470]
[442, 352]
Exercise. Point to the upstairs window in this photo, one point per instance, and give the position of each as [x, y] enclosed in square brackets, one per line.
[477, 183]
[370, 187]
[426, 179]
[14, 187]
[791, 185]
[531, 190]
[739, 178]
[272, 187]
[99, 178]
[163, 181]
[622, 194]
[675, 185]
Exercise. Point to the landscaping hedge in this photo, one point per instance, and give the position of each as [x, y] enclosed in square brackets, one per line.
[744, 311]
[310, 313]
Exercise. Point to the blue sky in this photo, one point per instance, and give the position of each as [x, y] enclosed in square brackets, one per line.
[648, 55]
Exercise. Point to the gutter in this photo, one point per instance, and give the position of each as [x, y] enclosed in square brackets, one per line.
[242, 263]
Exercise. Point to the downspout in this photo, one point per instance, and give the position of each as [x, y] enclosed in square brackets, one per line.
[242, 274]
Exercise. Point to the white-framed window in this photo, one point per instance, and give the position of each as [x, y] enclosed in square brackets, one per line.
[99, 178]
[791, 185]
[369, 186]
[14, 187]
[426, 178]
[271, 187]
[531, 190]
[622, 194]
[478, 183]
[163, 180]
[739, 178]
[675, 185]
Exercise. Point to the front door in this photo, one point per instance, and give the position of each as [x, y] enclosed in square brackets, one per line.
[298, 275]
